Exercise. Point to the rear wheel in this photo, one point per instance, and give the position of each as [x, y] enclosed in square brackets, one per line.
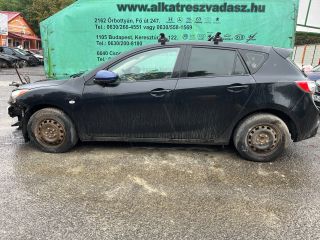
[261, 137]
[52, 131]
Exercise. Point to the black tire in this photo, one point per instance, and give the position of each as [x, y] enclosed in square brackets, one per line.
[51, 130]
[261, 137]
[4, 64]
[24, 63]
[20, 64]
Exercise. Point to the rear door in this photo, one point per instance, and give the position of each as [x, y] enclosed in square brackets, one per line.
[211, 94]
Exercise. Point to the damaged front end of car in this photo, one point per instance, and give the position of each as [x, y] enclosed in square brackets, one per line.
[16, 109]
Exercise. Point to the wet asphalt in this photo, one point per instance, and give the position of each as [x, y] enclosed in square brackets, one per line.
[153, 191]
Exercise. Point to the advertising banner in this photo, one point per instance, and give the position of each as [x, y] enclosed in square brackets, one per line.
[3, 24]
[90, 32]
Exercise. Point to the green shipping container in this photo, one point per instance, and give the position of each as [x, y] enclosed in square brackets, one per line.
[89, 32]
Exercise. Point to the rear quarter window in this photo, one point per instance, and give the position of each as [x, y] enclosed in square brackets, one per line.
[254, 60]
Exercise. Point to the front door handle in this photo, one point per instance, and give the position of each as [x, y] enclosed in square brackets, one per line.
[159, 92]
[237, 88]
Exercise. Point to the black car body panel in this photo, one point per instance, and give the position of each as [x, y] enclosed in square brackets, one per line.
[202, 109]
[10, 60]
[31, 60]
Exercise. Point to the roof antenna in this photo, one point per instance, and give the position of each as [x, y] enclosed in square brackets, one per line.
[162, 39]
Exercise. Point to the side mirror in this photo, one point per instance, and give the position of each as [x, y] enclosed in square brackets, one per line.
[104, 77]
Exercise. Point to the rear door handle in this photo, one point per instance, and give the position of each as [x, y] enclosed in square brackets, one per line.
[159, 92]
[237, 88]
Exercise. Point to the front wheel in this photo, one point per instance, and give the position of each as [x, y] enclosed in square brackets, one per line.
[52, 131]
[24, 63]
[3, 64]
[261, 137]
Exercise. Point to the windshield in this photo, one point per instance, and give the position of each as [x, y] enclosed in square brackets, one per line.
[20, 51]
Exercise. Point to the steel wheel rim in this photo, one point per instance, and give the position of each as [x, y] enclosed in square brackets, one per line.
[50, 132]
[263, 139]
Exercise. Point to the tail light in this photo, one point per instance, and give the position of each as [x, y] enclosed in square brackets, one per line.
[307, 86]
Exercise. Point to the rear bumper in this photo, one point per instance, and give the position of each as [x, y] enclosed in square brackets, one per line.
[307, 118]
[317, 100]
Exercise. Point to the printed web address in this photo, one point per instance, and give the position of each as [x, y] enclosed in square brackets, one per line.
[164, 7]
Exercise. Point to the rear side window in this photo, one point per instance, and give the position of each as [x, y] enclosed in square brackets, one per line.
[210, 62]
[254, 60]
[239, 68]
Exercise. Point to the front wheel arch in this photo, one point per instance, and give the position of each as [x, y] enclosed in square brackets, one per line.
[51, 130]
[30, 111]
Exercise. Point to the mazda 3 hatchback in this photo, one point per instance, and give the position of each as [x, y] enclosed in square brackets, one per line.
[190, 92]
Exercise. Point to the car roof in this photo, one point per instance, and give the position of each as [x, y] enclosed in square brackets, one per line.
[243, 46]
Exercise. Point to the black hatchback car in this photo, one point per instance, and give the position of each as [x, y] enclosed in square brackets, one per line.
[194, 92]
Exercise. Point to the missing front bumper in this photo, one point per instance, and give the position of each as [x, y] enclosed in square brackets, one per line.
[15, 111]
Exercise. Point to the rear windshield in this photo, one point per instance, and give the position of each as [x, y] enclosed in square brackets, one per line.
[254, 60]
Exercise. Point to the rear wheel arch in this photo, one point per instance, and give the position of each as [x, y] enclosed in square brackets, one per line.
[261, 137]
[278, 113]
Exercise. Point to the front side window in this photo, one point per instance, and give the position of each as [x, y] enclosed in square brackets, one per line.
[211, 62]
[154, 64]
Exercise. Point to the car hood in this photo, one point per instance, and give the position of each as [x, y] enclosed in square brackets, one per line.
[43, 83]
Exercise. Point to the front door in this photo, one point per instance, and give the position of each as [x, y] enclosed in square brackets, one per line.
[142, 98]
[137, 106]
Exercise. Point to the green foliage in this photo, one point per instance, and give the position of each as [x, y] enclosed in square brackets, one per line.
[303, 38]
[35, 10]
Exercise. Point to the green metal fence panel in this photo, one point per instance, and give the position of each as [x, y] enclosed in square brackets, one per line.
[90, 32]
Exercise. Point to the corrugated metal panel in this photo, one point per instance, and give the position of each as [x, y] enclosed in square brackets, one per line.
[316, 59]
[299, 54]
[307, 55]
